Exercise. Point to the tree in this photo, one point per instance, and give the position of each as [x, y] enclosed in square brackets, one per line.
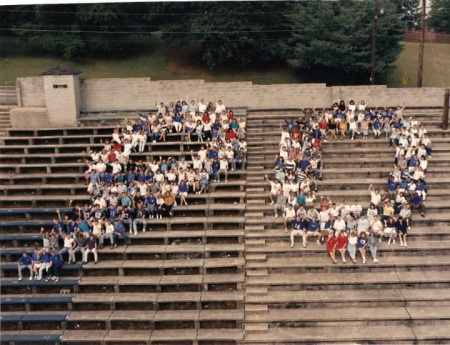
[237, 33]
[73, 30]
[408, 11]
[333, 39]
[439, 16]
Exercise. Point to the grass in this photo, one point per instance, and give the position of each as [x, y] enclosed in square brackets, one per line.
[166, 62]
[436, 67]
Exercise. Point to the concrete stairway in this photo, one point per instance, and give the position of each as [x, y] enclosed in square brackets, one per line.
[5, 122]
[297, 295]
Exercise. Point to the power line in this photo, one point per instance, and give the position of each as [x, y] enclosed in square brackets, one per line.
[133, 32]
[173, 32]
[152, 13]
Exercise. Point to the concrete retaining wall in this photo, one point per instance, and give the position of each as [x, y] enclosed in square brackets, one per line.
[106, 94]
[30, 92]
[133, 93]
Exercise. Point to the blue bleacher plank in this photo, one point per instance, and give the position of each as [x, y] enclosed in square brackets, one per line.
[15, 252]
[13, 266]
[36, 300]
[15, 211]
[21, 237]
[26, 223]
[50, 300]
[37, 338]
[11, 318]
[44, 318]
[14, 300]
[7, 338]
[63, 282]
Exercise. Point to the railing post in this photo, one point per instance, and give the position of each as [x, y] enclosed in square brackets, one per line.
[445, 111]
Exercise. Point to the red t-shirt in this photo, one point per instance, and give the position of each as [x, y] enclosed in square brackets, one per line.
[323, 125]
[111, 157]
[341, 241]
[230, 135]
[331, 243]
[206, 117]
[117, 147]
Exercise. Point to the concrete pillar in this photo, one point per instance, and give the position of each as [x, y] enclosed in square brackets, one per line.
[62, 99]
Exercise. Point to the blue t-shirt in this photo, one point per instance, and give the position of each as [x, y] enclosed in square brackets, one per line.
[297, 224]
[107, 179]
[392, 185]
[56, 260]
[127, 214]
[25, 261]
[36, 257]
[84, 226]
[213, 154]
[304, 163]
[361, 242]
[416, 200]
[46, 258]
[313, 225]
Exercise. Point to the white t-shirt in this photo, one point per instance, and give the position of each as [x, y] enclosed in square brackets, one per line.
[289, 213]
[68, 242]
[339, 225]
[220, 108]
[201, 107]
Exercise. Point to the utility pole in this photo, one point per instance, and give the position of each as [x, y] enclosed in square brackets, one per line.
[374, 42]
[445, 110]
[421, 49]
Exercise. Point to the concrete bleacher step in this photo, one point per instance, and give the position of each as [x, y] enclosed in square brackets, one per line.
[255, 309]
[254, 243]
[256, 291]
[384, 297]
[255, 215]
[258, 328]
[253, 190]
[257, 273]
[357, 316]
[255, 258]
[330, 281]
[372, 334]
[254, 227]
[256, 203]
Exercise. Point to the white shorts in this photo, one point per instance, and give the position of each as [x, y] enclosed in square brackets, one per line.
[388, 231]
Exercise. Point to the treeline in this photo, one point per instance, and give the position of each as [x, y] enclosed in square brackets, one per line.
[330, 38]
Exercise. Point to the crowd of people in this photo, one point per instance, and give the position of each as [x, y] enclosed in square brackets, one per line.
[346, 226]
[126, 194]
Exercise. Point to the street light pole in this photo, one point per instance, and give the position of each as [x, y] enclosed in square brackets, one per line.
[374, 42]
[421, 49]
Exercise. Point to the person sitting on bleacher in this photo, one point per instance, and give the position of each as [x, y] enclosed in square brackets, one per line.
[46, 263]
[90, 247]
[54, 266]
[25, 262]
[119, 233]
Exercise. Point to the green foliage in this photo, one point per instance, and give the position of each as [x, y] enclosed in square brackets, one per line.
[237, 33]
[408, 11]
[329, 40]
[336, 38]
[439, 16]
[74, 30]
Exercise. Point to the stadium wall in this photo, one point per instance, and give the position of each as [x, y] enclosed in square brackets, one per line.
[105, 94]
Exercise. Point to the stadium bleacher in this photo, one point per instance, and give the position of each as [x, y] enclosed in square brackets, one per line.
[221, 271]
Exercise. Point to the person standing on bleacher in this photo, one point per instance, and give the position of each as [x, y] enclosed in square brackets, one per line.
[25, 262]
